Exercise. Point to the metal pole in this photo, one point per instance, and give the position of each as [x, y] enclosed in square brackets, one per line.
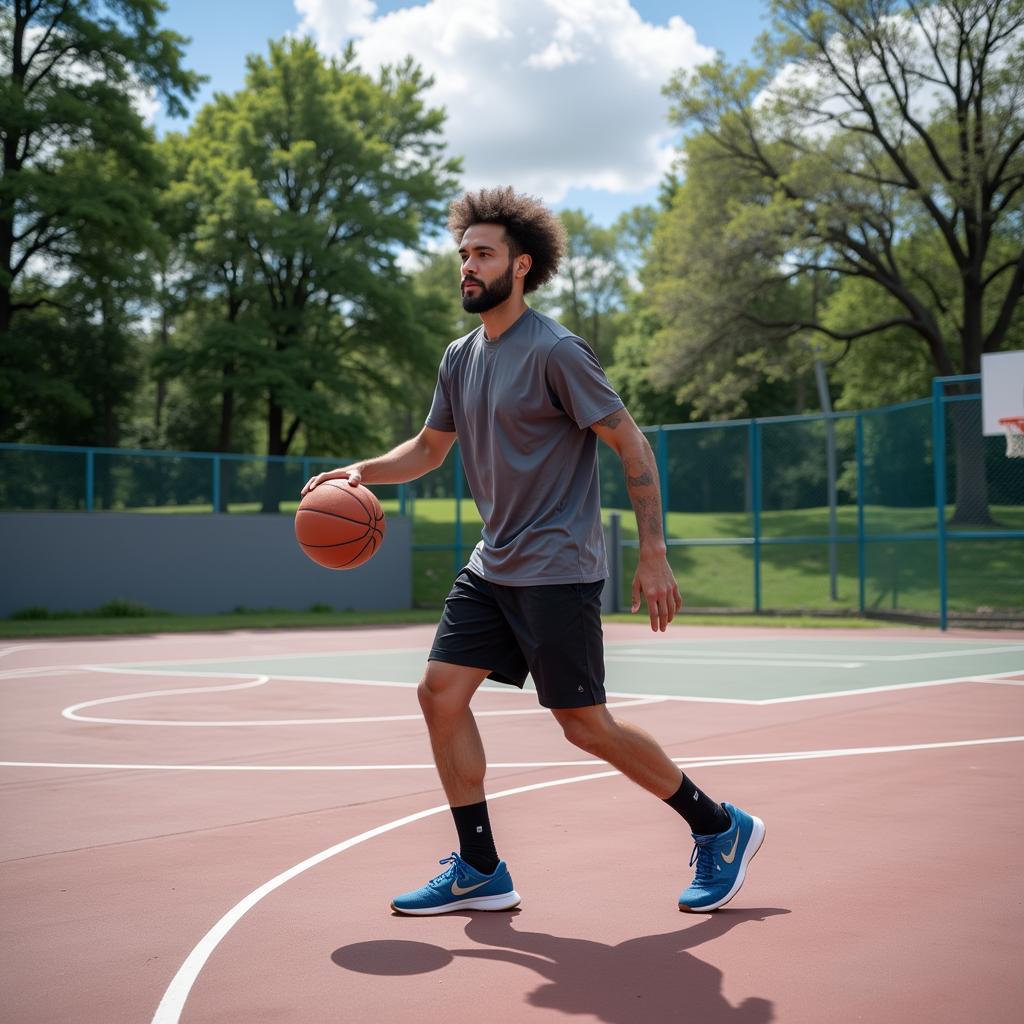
[215, 489]
[90, 479]
[755, 473]
[830, 459]
[662, 458]
[615, 560]
[939, 466]
[861, 547]
[457, 469]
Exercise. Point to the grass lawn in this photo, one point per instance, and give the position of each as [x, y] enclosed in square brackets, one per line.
[88, 625]
[900, 575]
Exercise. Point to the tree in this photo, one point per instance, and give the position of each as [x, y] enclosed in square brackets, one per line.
[597, 276]
[306, 185]
[871, 124]
[67, 113]
[706, 344]
[77, 202]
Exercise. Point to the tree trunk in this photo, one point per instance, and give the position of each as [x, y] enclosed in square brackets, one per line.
[5, 309]
[227, 422]
[164, 336]
[275, 470]
[971, 483]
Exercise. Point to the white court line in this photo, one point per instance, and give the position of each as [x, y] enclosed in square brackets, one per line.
[725, 659]
[337, 653]
[693, 761]
[179, 673]
[41, 670]
[73, 712]
[635, 698]
[173, 1002]
[1001, 678]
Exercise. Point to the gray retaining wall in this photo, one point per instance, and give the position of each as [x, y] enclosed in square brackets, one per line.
[187, 563]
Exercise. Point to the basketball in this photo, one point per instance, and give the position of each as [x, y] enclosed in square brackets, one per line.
[339, 526]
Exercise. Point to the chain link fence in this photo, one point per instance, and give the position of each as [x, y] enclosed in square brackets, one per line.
[838, 514]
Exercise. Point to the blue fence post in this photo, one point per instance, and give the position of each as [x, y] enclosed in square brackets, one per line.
[457, 468]
[215, 483]
[662, 459]
[401, 499]
[939, 467]
[755, 475]
[861, 543]
[90, 479]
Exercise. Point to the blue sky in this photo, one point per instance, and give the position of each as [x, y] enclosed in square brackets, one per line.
[581, 116]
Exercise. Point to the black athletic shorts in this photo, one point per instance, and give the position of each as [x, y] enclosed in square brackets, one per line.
[552, 632]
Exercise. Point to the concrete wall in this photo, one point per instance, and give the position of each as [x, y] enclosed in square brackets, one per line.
[187, 563]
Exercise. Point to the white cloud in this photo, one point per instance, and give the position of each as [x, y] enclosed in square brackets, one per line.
[545, 96]
[907, 36]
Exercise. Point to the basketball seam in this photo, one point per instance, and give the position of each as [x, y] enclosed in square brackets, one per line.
[369, 511]
[356, 555]
[338, 515]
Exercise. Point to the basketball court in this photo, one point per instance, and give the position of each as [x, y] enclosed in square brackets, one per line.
[210, 828]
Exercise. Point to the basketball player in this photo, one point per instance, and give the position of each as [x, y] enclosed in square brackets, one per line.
[528, 401]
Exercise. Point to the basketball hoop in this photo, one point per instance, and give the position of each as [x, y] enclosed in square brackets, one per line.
[1014, 427]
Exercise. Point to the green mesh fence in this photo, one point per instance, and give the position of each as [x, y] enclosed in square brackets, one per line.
[838, 514]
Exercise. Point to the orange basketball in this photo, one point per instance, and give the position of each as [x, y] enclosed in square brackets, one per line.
[339, 526]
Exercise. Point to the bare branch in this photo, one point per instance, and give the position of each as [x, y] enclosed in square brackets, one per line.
[814, 325]
[1000, 270]
[994, 339]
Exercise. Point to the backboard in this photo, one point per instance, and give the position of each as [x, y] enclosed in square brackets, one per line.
[1002, 389]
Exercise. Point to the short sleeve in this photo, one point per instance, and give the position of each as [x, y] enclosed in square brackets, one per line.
[578, 382]
[441, 416]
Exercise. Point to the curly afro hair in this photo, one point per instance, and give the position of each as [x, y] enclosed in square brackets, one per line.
[530, 227]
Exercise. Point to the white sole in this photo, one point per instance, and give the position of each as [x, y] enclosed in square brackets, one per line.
[756, 839]
[503, 901]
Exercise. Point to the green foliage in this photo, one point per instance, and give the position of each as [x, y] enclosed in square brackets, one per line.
[118, 608]
[714, 253]
[293, 199]
[863, 183]
[77, 201]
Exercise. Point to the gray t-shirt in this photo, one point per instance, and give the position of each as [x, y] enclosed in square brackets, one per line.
[522, 406]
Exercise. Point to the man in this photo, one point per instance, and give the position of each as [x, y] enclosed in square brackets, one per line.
[528, 401]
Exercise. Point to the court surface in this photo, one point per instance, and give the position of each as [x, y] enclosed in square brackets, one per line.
[209, 828]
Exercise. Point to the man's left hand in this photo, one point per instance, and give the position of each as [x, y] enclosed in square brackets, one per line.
[655, 581]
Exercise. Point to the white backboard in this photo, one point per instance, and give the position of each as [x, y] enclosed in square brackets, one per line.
[1002, 389]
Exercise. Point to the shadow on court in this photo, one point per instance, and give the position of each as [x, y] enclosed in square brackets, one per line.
[652, 979]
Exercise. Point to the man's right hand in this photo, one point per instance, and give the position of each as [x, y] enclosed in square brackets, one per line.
[353, 474]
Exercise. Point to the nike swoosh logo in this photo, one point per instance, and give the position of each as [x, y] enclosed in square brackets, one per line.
[731, 855]
[457, 889]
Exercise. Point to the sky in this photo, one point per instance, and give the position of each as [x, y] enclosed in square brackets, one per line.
[560, 98]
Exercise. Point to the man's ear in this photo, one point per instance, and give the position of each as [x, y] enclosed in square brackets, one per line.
[523, 263]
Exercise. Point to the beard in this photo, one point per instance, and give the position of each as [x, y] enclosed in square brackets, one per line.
[489, 295]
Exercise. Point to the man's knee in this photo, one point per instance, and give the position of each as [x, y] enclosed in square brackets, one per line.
[446, 690]
[586, 728]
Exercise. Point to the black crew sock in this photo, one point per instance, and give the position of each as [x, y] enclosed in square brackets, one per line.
[702, 814]
[475, 839]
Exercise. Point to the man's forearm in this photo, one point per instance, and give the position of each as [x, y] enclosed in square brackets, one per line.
[407, 461]
[641, 471]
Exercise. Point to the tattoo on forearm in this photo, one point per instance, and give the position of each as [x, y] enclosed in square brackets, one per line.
[642, 484]
[648, 515]
[611, 421]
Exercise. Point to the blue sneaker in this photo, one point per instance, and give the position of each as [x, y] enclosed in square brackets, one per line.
[722, 861]
[460, 887]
